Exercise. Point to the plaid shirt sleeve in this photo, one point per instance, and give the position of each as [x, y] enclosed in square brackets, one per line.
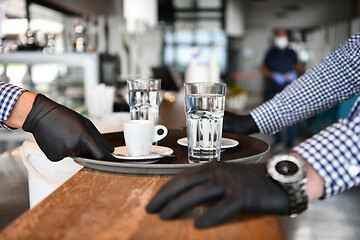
[334, 152]
[334, 80]
[8, 96]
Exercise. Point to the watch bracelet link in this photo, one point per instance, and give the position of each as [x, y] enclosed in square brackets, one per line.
[298, 200]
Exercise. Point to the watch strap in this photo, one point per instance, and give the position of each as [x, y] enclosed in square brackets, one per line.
[298, 200]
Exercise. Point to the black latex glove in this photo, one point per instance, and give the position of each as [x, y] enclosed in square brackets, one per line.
[242, 124]
[61, 132]
[233, 187]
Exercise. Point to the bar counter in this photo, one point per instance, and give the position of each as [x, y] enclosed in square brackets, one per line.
[104, 205]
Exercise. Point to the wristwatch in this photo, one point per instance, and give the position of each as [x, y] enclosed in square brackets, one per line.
[290, 172]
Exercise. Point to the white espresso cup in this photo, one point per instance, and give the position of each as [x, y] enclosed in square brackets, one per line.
[139, 136]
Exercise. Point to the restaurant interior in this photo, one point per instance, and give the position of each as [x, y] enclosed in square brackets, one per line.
[77, 51]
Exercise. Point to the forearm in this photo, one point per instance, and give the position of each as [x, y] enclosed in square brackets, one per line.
[333, 81]
[266, 71]
[334, 155]
[20, 110]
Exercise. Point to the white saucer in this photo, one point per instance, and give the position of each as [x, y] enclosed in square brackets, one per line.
[225, 142]
[156, 153]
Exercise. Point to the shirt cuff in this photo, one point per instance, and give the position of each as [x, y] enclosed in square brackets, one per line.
[10, 102]
[335, 154]
[267, 118]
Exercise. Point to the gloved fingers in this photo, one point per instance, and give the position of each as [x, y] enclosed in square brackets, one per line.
[99, 137]
[192, 198]
[50, 152]
[53, 156]
[174, 187]
[279, 78]
[107, 156]
[104, 155]
[218, 214]
[96, 150]
[242, 124]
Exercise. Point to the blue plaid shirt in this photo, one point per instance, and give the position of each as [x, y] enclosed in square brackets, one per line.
[8, 96]
[334, 152]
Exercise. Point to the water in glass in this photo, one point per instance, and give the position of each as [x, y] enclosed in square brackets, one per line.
[204, 114]
[144, 104]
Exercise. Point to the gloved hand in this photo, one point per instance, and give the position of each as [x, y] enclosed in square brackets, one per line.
[61, 132]
[279, 78]
[291, 76]
[234, 188]
[242, 124]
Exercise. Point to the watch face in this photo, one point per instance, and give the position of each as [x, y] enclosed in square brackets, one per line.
[286, 168]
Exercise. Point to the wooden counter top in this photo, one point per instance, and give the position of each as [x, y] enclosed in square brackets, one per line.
[103, 205]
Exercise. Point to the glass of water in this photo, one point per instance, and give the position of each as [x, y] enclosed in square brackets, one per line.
[204, 108]
[144, 99]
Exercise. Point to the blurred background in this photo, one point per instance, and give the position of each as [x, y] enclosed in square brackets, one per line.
[64, 48]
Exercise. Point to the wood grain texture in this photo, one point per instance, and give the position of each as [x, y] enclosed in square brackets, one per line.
[102, 205]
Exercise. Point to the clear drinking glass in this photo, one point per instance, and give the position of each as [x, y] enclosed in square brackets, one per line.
[144, 99]
[204, 108]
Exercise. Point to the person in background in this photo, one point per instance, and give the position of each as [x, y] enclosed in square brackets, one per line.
[279, 70]
[59, 131]
[320, 167]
